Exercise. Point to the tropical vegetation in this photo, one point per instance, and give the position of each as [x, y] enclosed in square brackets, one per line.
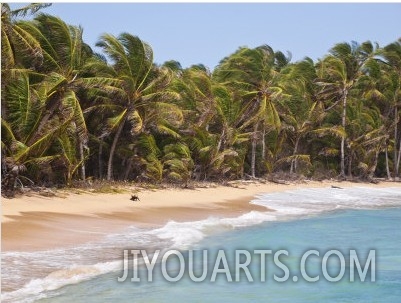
[69, 113]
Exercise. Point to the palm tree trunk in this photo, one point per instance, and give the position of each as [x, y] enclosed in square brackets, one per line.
[395, 141]
[387, 164]
[44, 120]
[221, 140]
[344, 115]
[82, 159]
[350, 165]
[373, 168]
[8, 181]
[253, 152]
[100, 160]
[128, 169]
[4, 113]
[113, 149]
[398, 161]
[294, 161]
[263, 145]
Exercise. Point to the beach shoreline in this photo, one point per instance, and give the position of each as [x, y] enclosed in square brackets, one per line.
[33, 223]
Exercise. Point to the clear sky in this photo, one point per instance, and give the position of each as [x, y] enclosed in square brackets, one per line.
[193, 33]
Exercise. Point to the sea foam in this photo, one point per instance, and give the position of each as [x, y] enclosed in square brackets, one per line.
[37, 288]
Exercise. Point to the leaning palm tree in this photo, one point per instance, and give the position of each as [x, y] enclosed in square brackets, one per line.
[42, 98]
[25, 103]
[63, 68]
[177, 162]
[233, 137]
[138, 84]
[366, 136]
[338, 74]
[253, 74]
[392, 55]
[301, 111]
[212, 118]
[16, 45]
[376, 87]
[15, 40]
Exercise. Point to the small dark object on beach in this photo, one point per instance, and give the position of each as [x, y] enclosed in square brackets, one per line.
[333, 186]
[135, 198]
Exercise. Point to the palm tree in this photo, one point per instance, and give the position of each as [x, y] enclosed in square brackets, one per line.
[213, 117]
[301, 112]
[25, 103]
[338, 73]
[366, 135]
[42, 98]
[16, 44]
[376, 88]
[138, 85]
[198, 105]
[65, 56]
[132, 61]
[253, 73]
[177, 162]
[392, 54]
[16, 41]
[195, 86]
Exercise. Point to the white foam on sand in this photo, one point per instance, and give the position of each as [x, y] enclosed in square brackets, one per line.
[36, 289]
[184, 234]
[313, 201]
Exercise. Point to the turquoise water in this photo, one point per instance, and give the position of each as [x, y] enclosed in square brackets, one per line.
[343, 230]
[357, 219]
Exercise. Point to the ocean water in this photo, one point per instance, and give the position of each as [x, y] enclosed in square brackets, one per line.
[322, 219]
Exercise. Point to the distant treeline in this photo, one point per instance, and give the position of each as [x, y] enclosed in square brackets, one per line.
[68, 113]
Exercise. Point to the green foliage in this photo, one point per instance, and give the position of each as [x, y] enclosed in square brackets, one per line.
[177, 163]
[67, 110]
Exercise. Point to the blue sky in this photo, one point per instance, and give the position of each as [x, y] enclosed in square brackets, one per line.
[193, 33]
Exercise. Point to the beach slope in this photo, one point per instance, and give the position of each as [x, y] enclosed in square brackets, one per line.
[35, 222]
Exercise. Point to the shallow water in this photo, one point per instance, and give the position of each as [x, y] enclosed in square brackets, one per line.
[321, 219]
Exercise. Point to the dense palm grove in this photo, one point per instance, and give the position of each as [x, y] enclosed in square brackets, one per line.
[70, 114]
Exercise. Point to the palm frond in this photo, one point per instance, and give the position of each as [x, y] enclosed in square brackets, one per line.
[336, 131]
[41, 161]
[114, 122]
[136, 122]
[300, 158]
[29, 9]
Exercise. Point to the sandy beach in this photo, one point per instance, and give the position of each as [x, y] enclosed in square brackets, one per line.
[35, 222]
